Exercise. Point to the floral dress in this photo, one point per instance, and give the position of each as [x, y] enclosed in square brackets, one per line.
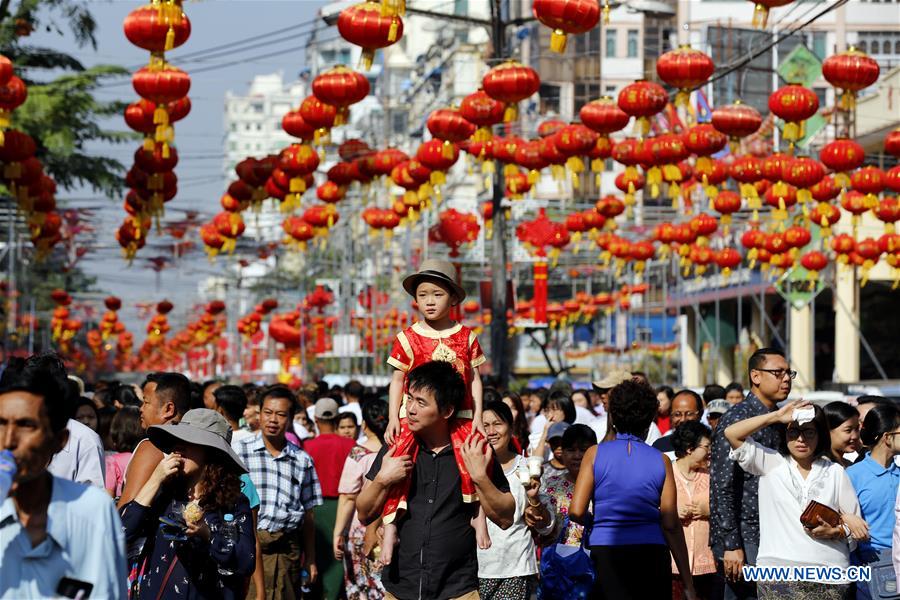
[362, 577]
[190, 568]
[559, 489]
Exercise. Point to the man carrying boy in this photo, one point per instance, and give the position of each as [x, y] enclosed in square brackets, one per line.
[436, 555]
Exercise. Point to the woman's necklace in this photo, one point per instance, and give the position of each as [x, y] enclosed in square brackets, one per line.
[686, 475]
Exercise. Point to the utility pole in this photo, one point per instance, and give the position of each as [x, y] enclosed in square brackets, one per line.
[500, 357]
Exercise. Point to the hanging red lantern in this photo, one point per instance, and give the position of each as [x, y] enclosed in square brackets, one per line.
[643, 99]
[794, 104]
[850, 71]
[161, 85]
[814, 262]
[604, 116]
[550, 127]
[685, 69]
[825, 215]
[797, 236]
[449, 125]
[385, 160]
[868, 181]
[803, 173]
[330, 192]
[566, 17]
[318, 114]
[726, 203]
[842, 155]
[826, 190]
[482, 111]
[157, 27]
[293, 124]
[510, 83]
[340, 87]
[298, 230]
[892, 143]
[365, 25]
[892, 179]
[855, 203]
[888, 212]
[736, 120]
[727, 260]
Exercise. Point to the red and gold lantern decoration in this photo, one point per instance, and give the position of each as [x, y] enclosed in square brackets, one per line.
[842, 156]
[450, 126]
[537, 236]
[510, 83]
[737, 121]
[482, 111]
[727, 260]
[685, 69]
[641, 100]
[368, 27]
[566, 17]
[868, 181]
[340, 87]
[794, 104]
[850, 71]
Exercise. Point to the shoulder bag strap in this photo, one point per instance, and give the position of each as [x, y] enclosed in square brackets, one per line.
[162, 588]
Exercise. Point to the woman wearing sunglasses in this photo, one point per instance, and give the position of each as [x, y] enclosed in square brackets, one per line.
[198, 523]
[789, 479]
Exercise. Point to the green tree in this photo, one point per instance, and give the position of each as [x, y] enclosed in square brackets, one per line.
[62, 112]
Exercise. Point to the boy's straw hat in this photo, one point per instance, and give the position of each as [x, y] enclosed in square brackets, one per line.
[440, 270]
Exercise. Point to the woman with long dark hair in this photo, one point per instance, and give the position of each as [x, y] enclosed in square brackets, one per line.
[520, 422]
[362, 580]
[199, 527]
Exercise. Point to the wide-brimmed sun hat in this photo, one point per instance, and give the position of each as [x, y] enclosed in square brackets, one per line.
[200, 426]
[440, 270]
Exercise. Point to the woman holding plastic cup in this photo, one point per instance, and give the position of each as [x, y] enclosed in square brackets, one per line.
[508, 569]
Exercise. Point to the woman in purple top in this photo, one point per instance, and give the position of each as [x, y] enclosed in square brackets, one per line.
[635, 508]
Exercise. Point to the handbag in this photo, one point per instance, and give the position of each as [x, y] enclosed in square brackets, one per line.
[566, 574]
[815, 511]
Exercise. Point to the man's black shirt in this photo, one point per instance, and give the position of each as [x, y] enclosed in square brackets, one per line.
[436, 556]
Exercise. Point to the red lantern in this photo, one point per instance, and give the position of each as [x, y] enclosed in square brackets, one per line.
[564, 17]
[842, 155]
[684, 69]
[157, 27]
[449, 125]
[892, 179]
[161, 85]
[726, 203]
[330, 192]
[294, 125]
[892, 143]
[803, 173]
[340, 87]
[643, 99]
[870, 182]
[851, 71]
[814, 261]
[365, 25]
[299, 230]
[793, 104]
[454, 229]
[385, 160]
[483, 111]
[825, 215]
[510, 83]
[736, 120]
[727, 259]
[318, 114]
[604, 116]
[797, 236]
[888, 212]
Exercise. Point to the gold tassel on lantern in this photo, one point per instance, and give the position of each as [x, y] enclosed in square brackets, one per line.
[558, 41]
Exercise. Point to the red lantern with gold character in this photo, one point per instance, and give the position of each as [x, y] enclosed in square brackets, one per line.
[850, 71]
[736, 120]
[643, 99]
[157, 27]
[482, 111]
[842, 156]
[794, 104]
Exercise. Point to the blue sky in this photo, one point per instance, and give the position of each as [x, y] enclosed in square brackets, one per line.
[282, 27]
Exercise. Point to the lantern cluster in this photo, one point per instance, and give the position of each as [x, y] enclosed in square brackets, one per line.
[157, 27]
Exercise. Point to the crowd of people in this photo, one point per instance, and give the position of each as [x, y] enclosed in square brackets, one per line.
[440, 486]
